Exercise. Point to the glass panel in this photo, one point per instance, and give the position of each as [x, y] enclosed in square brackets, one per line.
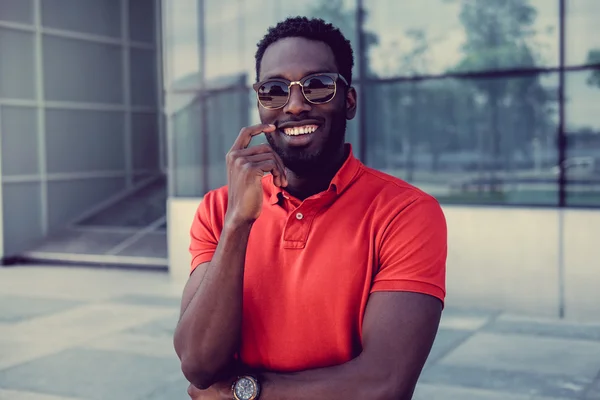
[17, 63]
[582, 127]
[181, 44]
[69, 199]
[18, 135]
[582, 36]
[75, 70]
[468, 141]
[16, 11]
[440, 36]
[141, 20]
[145, 141]
[143, 77]
[227, 114]
[87, 16]
[22, 206]
[233, 30]
[184, 123]
[81, 141]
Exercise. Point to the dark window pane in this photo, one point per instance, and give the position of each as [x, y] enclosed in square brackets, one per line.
[582, 127]
[19, 141]
[141, 20]
[582, 34]
[440, 36]
[16, 11]
[17, 64]
[468, 140]
[86, 16]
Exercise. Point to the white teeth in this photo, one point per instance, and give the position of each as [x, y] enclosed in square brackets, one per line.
[300, 130]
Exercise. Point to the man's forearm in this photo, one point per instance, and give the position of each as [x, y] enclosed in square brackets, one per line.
[358, 379]
[208, 332]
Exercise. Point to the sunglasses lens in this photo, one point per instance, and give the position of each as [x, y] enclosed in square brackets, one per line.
[319, 89]
[273, 94]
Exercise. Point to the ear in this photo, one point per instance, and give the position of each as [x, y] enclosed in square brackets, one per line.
[351, 98]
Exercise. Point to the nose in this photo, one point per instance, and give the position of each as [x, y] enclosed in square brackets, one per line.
[297, 104]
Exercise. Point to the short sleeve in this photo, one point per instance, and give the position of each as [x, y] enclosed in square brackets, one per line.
[413, 250]
[205, 230]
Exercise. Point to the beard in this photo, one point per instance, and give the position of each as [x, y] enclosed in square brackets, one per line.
[307, 163]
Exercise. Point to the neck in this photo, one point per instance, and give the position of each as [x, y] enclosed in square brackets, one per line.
[304, 186]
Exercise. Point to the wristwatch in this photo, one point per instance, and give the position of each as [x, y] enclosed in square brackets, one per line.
[246, 388]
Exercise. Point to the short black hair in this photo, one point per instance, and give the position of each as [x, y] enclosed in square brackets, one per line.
[313, 29]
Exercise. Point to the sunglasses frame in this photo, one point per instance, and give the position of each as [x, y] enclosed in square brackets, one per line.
[333, 75]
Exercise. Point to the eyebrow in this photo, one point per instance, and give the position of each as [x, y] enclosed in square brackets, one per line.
[279, 76]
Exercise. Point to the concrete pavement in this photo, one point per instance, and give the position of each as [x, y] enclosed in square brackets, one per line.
[79, 333]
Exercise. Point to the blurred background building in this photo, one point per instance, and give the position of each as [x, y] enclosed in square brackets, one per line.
[115, 117]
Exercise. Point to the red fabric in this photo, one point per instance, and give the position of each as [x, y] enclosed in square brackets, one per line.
[307, 281]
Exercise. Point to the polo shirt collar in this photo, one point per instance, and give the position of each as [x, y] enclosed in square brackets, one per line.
[342, 179]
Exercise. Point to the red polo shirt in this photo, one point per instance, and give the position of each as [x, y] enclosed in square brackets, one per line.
[311, 265]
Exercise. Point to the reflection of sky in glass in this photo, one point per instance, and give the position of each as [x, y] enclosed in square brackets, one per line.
[582, 30]
[582, 102]
[234, 27]
[181, 40]
[439, 19]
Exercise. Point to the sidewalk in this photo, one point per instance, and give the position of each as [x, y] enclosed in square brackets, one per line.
[76, 333]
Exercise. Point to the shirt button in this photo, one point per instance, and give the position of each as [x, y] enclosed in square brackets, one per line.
[299, 216]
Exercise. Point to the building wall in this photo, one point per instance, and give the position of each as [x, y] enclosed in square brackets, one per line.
[505, 259]
[79, 109]
[490, 107]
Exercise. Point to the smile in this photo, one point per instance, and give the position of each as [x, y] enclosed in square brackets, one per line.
[300, 130]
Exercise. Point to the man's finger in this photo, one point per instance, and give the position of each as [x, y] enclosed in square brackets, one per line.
[246, 135]
[265, 149]
[278, 172]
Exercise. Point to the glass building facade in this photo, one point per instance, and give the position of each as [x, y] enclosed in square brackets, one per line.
[476, 102]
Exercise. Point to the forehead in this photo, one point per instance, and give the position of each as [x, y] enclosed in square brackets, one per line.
[294, 57]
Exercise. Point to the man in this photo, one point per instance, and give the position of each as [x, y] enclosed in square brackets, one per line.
[323, 279]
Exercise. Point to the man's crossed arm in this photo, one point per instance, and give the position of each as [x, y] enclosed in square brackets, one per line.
[398, 331]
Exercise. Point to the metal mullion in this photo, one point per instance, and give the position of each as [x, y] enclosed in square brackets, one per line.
[18, 102]
[41, 116]
[88, 37]
[17, 26]
[562, 143]
[362, 77]
[1, 198]
[167, 68]
[128, 148]
[159, 86]
[141, 45]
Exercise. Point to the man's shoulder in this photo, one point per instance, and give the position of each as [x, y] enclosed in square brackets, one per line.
[388, 188]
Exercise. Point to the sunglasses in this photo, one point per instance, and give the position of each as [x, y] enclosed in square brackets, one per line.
[316, 88]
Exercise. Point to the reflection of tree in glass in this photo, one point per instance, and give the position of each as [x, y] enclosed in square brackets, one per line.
[512, 112]
[594, 58]
[333, 11]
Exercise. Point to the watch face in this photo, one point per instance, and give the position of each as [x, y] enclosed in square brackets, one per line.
[245, 389]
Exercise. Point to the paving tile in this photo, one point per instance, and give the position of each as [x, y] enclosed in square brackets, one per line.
[544, 327]
[162, 327]
[445, 341]
[14, 308]
[158, 346]
[50, 334]
[174, 390]
[514, 382]
[92, 374]
[528, 353]
[20, 395]
[456, 318]
[148, 300]
[444, 392]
